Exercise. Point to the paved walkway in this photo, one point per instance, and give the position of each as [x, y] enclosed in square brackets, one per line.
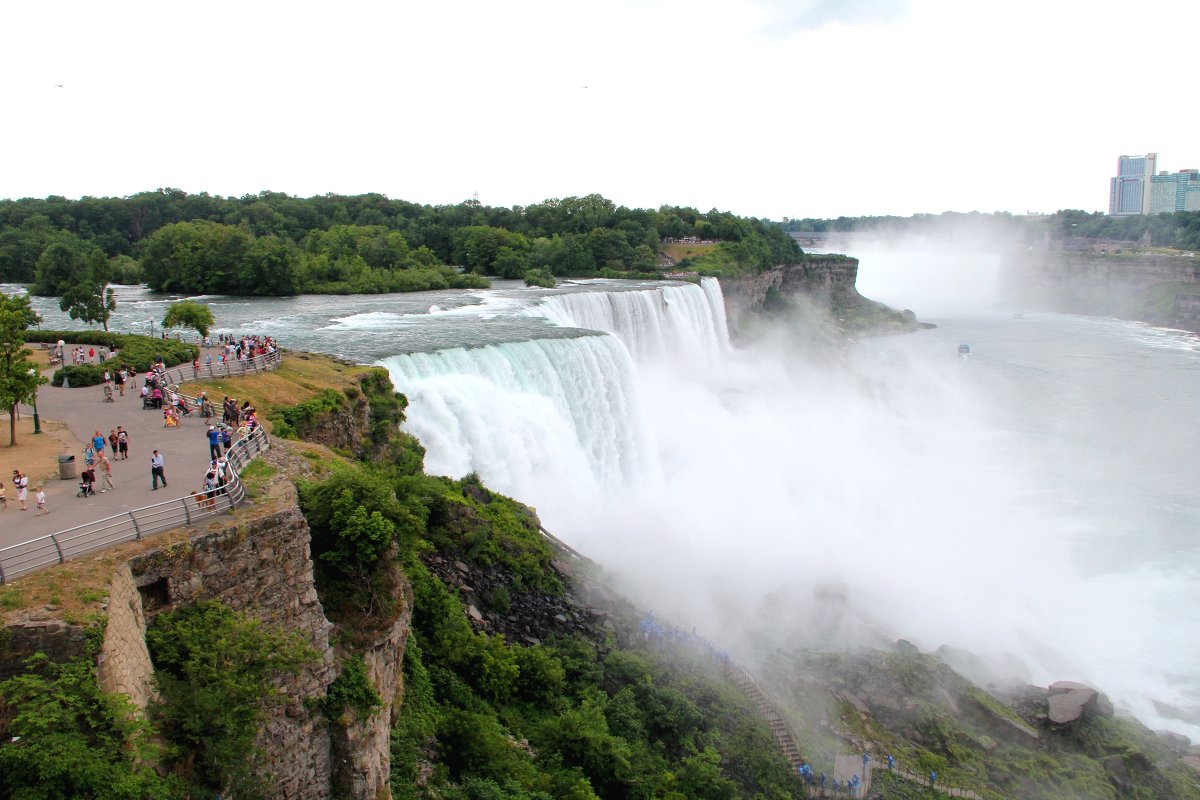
[184, 450]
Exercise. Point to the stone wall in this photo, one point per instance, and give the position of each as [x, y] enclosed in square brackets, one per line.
[59, 640]
[264, 569]
[123, 664]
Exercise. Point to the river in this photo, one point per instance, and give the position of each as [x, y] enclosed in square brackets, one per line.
[1036, 503]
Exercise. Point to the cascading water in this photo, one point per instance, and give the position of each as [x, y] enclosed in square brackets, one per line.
[732, 495]
[526, 415]
[677, 322]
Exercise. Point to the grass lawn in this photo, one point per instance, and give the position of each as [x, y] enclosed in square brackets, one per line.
[680, 251]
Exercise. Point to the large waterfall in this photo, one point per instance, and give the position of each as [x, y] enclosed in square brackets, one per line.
[677, 322]
[733, 488]
[562, 413]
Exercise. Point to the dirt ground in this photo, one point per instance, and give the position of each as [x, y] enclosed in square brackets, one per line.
[36, 456]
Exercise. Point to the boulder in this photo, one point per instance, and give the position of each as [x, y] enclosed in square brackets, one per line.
[1070, 702]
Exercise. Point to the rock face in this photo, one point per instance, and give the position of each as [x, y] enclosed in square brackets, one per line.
[828, 281]
[362, 748]
[264, 569]
[1142, 286]
[1071, 702]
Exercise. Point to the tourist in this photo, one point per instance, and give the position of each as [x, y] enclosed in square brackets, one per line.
[214, 442]
[112, 442]
[891, 762]
[98, 441]
[105, 467]
[40, 498]
[156, 470]
[3, 498]
[932, 777]
[227, 439]
[122, 443]
[120, 379]
[22, 483]
[89, 455]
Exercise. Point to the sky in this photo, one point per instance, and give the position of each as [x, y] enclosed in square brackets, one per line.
[766, 108]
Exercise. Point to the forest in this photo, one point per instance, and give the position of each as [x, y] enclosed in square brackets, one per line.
[273, 244]
[1180, 230]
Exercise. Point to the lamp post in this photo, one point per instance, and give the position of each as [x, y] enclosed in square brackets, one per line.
[37, 423]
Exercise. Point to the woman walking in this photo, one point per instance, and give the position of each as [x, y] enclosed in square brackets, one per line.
[22, 484]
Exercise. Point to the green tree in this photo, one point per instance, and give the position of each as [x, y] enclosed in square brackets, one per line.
[196, 256]
[189, 314]
[19, 378]
[63, 737]
[60, 265]
[89, 298]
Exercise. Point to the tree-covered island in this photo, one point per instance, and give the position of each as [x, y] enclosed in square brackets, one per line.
[272, 244]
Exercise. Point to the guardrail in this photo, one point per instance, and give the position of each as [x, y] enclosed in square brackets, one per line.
[21, 559]
[228, 369]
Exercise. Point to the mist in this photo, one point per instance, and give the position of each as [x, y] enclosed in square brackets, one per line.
[760, 480]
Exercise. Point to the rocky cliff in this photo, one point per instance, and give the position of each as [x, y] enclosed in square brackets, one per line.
[823, 283]
[1157, 288]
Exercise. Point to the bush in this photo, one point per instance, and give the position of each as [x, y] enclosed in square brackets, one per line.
[82, 375]
[63, 737]
[216, 672]
[540, 277]
[351, 691]
[139, 352]
[295, 421]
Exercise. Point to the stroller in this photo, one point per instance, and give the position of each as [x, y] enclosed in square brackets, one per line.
[87, 479]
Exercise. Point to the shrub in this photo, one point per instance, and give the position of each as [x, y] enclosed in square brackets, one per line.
[540, 277]
[215, 674]
[63, 737]
[351, 691]
[79, 376]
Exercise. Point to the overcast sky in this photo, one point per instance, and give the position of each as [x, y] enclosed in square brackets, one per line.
[771, 108]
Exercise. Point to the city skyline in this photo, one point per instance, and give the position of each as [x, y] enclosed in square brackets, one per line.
[767, 108]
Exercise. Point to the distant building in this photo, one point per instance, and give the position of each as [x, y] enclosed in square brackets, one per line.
[1179, 191]
[1129, 192]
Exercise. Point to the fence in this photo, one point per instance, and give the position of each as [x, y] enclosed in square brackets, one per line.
[21, 559]
[229, 369]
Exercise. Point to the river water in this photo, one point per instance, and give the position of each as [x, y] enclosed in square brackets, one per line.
[1036, 503]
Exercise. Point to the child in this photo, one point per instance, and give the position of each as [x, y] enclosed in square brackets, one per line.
[40, 497]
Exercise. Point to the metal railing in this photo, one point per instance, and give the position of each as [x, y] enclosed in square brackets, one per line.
[228, 369]
[21, 559]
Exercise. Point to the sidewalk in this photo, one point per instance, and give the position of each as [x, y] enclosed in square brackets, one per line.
[184, 449]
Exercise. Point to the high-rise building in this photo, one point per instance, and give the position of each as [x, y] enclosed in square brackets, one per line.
[1129, 192]
[1179, 191]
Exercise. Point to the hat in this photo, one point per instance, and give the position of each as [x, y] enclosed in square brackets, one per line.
[212, 428]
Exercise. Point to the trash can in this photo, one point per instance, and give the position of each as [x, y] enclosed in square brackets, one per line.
[66, 468]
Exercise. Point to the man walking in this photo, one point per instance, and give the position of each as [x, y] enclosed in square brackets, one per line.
[122, 443]
[156, 470]
[214, 442]
[105, 467]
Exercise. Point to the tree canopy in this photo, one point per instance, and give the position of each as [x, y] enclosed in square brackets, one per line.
[19, 377]
[189, 314]
[272, 244]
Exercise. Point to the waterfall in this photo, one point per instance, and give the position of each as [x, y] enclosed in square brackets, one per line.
[527, 415]
[683, 322]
